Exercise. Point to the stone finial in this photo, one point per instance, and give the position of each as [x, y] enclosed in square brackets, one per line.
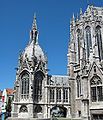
[34, 32]
[81, 11]
[34, 25]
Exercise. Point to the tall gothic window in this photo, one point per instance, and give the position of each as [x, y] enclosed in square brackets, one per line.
[88, 40]
[25, 86]
[78, 44]
[65, 95]
[96, 89]
[38, 86]
[52, 92]
[78, 86]
[99, 42]
[58, 94]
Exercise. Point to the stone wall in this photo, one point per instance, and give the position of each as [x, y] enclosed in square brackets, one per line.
[27, 119]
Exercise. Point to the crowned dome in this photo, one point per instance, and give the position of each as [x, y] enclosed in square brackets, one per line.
[33, 48]
[38, 52]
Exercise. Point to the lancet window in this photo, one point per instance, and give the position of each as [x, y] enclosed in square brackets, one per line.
[78, 44]
[25, 85]
[99, 42]
[96, 89]
[88, 40]
[38, 86]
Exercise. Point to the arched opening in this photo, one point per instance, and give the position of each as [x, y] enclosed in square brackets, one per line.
[99, 42]
[38, 109]
[24, 85]
[23, 109]
[39, 76]
[88, 40]
[96, 89]
[58, 111]
[78, 45]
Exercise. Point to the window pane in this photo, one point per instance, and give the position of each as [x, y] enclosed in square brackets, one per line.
[99, 42]
[99, 91]
[25, 86]
[93, 94]
[52, 95]
[78, 42]
[38, 86]
[65, 95]
[58, 95]
[88, 40]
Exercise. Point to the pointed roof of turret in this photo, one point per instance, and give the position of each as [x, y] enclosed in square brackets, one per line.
[73, 18]
[81, 13]
[34, 25]
[33, 48]
[34, 31]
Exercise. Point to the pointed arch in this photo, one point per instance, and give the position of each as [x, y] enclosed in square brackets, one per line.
[23, 109]
[88, 40]
[99, 42]
[38, 109]
[38, 78]
[58, 111]
[96, 86]
[78, 44]
[96, 80]
[24, 84]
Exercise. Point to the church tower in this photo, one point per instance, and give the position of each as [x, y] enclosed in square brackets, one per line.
[85, 64]
[31, 77]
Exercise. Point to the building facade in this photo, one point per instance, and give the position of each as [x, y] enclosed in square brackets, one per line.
[85, 64]
[77, 95]
[6, 102]
[38, 95]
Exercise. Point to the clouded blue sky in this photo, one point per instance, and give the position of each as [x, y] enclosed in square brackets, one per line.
[53, 19]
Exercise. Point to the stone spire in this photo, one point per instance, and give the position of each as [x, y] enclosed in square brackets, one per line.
[73, 19]
[72, 22]
[77, 18]
[34, 32]
[34, 25]
[81, 11]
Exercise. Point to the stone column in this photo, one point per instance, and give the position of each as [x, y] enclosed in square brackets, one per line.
[49, 112]
[30, 110]
[55, 95]
[85, 109]
[68, 112]
[85, 99]
[62, 94]
[45, 111]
